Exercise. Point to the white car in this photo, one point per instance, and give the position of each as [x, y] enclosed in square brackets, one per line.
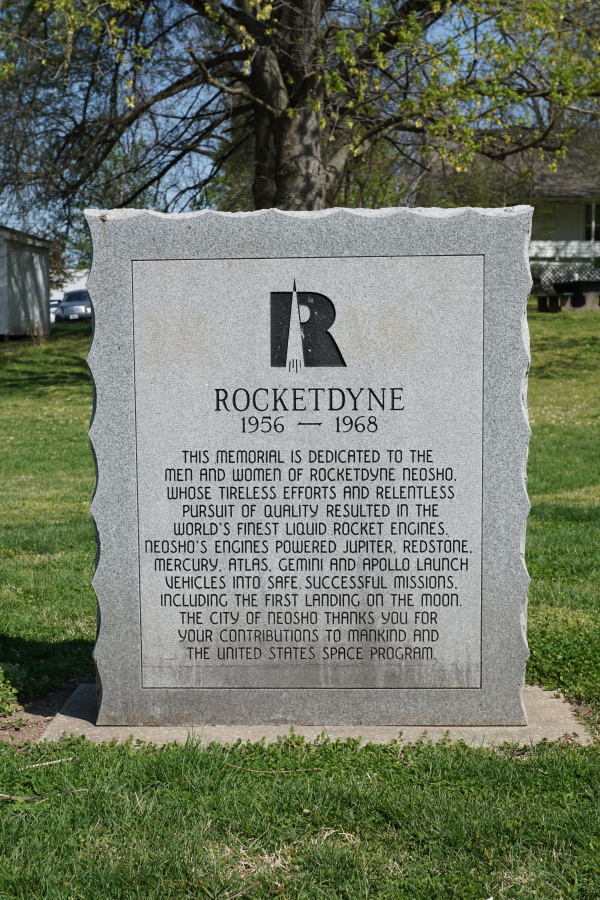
[53, 305]
[74, 305]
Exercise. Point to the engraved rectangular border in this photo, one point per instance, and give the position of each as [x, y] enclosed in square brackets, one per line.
[317, 687]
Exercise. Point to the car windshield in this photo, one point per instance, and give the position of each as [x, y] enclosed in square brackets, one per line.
[76, 297]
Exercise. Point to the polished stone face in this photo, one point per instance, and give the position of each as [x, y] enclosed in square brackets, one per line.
[310, 501]
[327, 518]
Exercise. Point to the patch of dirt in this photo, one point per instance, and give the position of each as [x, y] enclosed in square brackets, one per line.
[30, 721]
[588, 717]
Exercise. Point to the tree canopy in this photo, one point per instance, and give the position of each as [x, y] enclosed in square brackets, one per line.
[179, 104]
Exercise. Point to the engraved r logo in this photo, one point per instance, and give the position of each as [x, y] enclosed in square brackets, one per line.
[300, 324]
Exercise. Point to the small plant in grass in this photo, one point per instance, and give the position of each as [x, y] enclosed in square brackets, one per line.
[8, 693]
[36, 332]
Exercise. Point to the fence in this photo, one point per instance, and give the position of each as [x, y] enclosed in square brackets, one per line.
[545, 274]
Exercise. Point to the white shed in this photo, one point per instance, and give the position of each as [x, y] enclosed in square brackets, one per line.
[24, 283]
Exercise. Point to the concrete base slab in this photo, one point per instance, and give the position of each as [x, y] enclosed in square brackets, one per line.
[548, 715]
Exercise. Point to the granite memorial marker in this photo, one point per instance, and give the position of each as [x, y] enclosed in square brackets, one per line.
[311, 434]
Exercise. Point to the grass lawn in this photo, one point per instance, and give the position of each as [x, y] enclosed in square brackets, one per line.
[563, 536]
[47, 605]
[293, 821]
[300, 822]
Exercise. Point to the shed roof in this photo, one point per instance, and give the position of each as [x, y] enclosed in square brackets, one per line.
[12, 234]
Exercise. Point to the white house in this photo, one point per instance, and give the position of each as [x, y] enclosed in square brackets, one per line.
[565, 239]
[24, 284]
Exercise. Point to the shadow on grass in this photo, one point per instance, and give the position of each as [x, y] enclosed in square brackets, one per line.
[559, 549]
[560, 356]
[563, 458]
[564, 656]
[62, 535]
[560, 515]
[60, 361]
[35, 666]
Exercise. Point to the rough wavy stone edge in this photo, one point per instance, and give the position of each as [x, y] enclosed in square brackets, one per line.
[121, 235]
[436, 212]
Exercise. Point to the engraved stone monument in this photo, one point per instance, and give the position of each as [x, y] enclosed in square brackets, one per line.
[311, 435]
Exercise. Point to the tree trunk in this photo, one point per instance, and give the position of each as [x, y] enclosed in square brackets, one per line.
[269, 86]
[300, 176]
[264, 186]
[289, 172]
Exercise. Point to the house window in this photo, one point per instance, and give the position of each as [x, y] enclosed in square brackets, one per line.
[592, 222]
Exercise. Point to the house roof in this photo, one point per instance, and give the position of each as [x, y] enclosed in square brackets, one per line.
[523, 175]
[577, 176]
